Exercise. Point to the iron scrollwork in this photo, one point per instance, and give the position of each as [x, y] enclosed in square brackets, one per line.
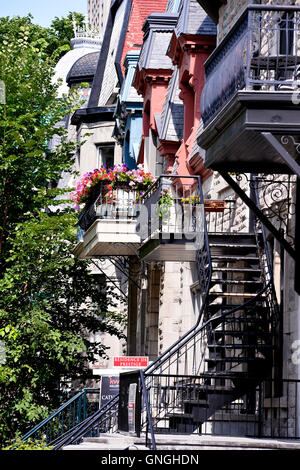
[277, 198]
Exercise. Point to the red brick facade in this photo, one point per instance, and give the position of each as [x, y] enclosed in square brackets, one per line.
[189, 52]
[140, 10]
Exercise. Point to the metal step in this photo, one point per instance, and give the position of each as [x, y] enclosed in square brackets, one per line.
[240, 333]
[236, 359]
[234, 237]
[180, 415]
[233, 294]
[233, 245]
[238, 270]
[228, 307]
[233, 258]
[229, 374]
[240, 346]
[236, 282]
[190, 404]
[246, 320]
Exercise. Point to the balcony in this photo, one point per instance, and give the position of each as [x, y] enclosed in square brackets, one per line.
[250, 100]
[108, 226]
[165, 224]
[172, 221]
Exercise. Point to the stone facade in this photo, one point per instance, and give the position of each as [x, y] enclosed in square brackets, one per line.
[98, 11]
[230, 11]
[281, 409]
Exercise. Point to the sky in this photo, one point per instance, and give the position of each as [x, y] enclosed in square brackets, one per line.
[43, 11]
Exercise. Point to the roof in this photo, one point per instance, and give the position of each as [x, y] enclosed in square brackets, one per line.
[171, 120]
[212, 8]
[65, 64]
[128, 93]
[106, 77]
[158, 30]
[173, 6]
[84, 68]
[194, 20]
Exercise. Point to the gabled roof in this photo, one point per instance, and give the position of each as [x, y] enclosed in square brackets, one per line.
[106, 77]
[128, 93]
[122, 33]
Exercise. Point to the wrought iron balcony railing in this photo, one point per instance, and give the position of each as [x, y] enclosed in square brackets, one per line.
[119, 203]
[260, 53]
[170, 206]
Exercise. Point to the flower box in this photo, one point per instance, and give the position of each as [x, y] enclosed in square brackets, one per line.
[209, 205]
[214, 206]
[107, 179]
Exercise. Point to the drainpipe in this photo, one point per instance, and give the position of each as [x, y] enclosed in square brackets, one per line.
[253, 198]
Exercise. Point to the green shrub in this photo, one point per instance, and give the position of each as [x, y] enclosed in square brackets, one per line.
[29, 444]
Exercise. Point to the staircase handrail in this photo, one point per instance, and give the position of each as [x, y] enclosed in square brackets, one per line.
[191, 332]
[81, 429]
[144, 392]
[173, 349]
[55, 413]
[88, 424]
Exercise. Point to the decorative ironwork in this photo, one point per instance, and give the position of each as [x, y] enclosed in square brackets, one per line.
[121, 204]
[190, 372]
[287, 139]
[260, 53]
[277, 200]
[102, 421]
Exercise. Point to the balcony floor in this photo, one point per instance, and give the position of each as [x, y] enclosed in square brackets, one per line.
[109, 237]
[168, 248]
[234, 140]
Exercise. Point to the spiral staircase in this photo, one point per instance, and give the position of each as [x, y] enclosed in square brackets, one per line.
[239, 334]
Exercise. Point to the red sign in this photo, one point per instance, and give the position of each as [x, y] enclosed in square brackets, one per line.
[132, 361]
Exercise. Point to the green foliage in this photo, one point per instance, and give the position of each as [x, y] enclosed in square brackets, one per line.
[50, 302]
[27, 124]
[61, 33]
[27, 445]
[164, 203]
[50, 42]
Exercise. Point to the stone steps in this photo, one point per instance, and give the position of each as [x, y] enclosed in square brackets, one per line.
[184, 442]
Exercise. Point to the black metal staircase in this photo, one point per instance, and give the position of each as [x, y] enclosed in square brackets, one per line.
[239, 332]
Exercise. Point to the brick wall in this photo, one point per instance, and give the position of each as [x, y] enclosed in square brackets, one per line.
[140, 10]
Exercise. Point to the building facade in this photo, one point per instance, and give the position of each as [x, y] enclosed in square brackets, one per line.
[97, 13]
[215, 312]
[204, 95]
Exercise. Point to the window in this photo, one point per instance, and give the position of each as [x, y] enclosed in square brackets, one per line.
[286, 46]
[106, 155]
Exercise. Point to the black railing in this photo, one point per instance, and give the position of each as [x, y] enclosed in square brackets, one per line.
[170, 379]
[256, 414]
[181, 375]
[170, 207]
[104, 420]
[121, 202]
[70, 414]
[183, 188]
[261, 52]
